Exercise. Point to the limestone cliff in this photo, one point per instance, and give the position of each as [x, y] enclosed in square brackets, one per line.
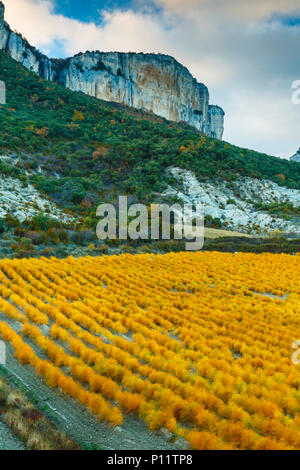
[155, 82]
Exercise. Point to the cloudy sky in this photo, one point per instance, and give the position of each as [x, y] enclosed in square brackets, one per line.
[246, 51]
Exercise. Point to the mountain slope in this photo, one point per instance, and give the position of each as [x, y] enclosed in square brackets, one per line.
[80, 151]
[132, 147]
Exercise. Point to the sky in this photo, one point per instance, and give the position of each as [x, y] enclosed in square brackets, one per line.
[247, 52]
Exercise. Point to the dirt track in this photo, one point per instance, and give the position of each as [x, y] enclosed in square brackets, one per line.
[218, 233]
[70, 416]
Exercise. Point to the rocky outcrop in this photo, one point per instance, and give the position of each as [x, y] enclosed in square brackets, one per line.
[235, 203]
[155, 82]
[296, 157]
[14, 195]
[215, 121]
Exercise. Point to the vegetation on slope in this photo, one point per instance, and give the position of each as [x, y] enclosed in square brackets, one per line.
[80, 151]
[101, 143]
[28, 423]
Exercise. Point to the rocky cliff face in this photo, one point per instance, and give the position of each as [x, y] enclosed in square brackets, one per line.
[296, 157]
[155, 82]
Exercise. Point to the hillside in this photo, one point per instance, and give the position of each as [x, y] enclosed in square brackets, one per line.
[79, 151]
[42, 118]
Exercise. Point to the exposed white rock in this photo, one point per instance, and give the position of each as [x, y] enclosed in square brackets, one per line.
[234, 202]
[296, 157]
[215, 121]
[26, 202]
[155, 82]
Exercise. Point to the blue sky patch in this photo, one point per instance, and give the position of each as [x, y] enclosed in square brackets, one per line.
[89, 10]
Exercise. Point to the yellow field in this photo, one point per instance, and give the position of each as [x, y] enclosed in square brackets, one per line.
[184, 340]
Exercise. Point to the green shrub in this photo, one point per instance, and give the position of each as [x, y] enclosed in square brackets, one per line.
[44, 222]
[3, 226]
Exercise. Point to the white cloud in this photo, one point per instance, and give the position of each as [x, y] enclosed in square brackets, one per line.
[120, 30]
[238, 48]
[242, 9]
[266, 117]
